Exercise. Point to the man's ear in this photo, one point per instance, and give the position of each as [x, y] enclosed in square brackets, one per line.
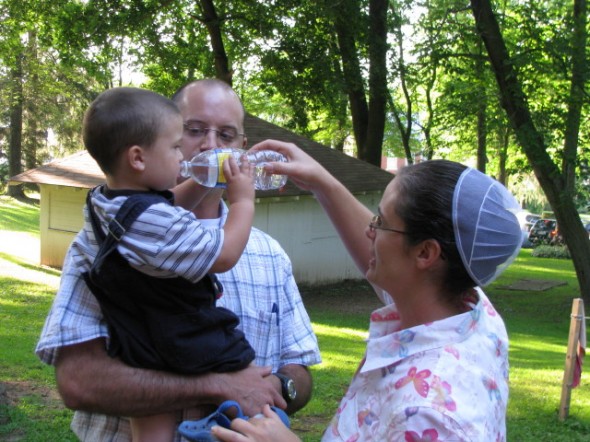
[135, 158]
[428, 253]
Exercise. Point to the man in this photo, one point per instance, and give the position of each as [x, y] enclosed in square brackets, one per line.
[260, 289]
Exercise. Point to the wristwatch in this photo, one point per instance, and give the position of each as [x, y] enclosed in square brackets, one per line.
[287, 387]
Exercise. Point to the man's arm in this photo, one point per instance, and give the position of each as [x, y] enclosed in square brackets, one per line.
[303, 385]
[90, 380]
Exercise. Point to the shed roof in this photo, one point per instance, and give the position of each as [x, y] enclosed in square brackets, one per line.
[80, 169]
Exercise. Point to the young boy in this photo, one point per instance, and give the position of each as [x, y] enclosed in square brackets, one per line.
[148, 261]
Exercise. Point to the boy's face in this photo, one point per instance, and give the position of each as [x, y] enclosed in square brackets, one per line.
[164, 157]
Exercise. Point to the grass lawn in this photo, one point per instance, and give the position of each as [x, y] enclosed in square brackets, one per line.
[537, 322]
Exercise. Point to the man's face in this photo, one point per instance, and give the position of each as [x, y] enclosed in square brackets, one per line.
[213, 117]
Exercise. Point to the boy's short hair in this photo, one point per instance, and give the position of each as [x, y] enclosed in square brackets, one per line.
[123, 117]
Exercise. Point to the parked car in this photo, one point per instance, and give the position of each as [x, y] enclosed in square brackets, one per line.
[556, 239]
[546, 231]
[527, 220]
[543, 231]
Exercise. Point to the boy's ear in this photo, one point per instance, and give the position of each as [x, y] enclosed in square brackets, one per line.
[428, 253]
[135, 158]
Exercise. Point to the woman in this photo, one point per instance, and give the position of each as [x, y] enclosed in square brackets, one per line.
[436, 364]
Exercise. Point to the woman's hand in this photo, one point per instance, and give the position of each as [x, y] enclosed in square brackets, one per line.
[302, 169]
[267, 428]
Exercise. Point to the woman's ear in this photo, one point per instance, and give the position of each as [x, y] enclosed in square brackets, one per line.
[135, 158]
[428, 253]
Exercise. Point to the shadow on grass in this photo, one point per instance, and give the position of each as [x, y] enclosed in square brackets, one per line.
[35, 418]
[33, 201]
[26, 265]
[23, 309]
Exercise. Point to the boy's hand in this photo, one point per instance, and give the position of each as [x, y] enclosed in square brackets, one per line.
[240, 179]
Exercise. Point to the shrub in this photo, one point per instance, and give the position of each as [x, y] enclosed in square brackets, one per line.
[544, 251]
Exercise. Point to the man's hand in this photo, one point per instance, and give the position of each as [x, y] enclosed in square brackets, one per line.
[251, 387]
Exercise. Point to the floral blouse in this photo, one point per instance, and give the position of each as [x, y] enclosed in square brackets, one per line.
[442, 381]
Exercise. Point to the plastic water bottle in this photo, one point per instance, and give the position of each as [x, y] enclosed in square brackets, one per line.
[206, 168]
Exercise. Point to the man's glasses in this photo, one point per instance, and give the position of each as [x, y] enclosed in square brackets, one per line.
[377, 224]
[225, 136]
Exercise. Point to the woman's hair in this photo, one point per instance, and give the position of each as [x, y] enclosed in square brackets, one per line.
[123, 117]
[425, 204]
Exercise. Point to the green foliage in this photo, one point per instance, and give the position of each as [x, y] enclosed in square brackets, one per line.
[304, 68]
[527, 191]
[288, 66]
[4, 175]
[545, 251]
[53, 94]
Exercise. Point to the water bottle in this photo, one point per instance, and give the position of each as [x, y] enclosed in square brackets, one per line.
[206, 168]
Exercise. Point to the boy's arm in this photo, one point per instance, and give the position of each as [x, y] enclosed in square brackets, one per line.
[240, 197]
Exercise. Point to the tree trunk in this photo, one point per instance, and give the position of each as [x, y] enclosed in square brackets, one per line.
[503, 138]
[32, 133]
[482, 133]
[429, 106]
[16, 127]
[378, 92]
[532, 143]
[404, 124]
[353, 80]
[213, 23]
[577, 95]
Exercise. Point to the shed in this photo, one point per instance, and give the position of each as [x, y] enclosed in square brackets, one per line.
[292, 216]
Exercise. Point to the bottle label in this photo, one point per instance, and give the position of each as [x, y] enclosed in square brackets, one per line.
[221, 157]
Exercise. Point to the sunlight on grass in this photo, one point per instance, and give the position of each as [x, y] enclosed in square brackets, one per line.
[341, 347]
[526, 343]
[21, 245]
[548, 272]
[326, 330]
[26, 273]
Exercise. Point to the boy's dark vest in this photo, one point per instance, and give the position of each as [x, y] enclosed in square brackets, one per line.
[167, 324]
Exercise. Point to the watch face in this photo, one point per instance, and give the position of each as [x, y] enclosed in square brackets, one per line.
[291, 389]
[287, 386]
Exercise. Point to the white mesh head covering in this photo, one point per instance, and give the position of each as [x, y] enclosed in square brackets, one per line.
[487, 232]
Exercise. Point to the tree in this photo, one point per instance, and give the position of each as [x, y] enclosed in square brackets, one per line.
[44, 94]
[557, 184]
[16, 124]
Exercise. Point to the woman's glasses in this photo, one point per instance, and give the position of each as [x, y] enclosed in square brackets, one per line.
[377, 224]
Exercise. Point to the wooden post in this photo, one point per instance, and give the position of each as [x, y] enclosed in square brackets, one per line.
[577, 318]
